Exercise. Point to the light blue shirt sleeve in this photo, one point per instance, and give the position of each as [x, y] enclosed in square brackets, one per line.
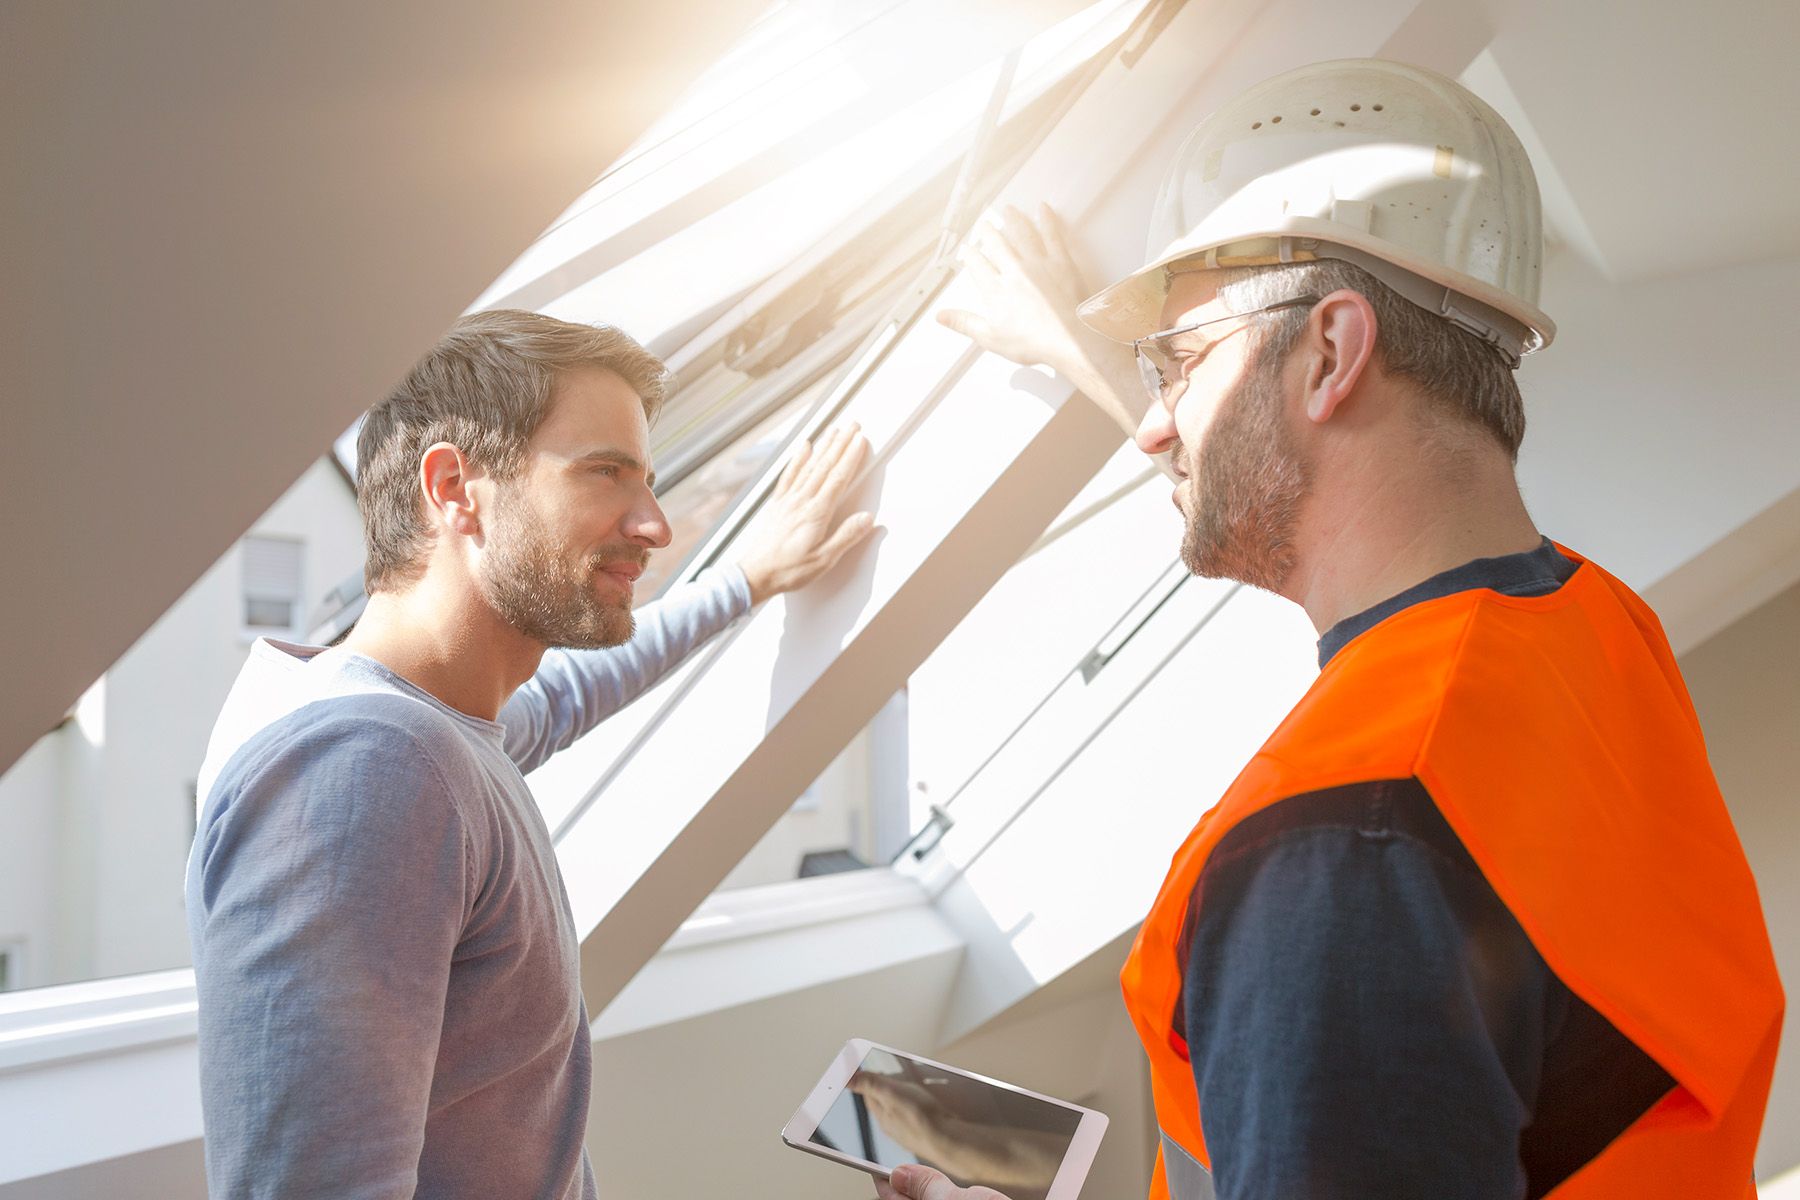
[327, 896]
[575, 690]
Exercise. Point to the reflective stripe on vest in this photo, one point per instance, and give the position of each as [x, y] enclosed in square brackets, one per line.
[1187, 1179]
[1556, 737]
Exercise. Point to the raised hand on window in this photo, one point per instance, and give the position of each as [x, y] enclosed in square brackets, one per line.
[1027, 286]
[800, 536]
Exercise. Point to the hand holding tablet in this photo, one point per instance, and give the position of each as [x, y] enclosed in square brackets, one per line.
[918, 1182]
[877, 1109]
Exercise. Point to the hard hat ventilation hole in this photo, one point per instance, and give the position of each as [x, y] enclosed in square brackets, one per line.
[1274, 120]
[1256, 125]
[1315, 112]
[1356, 108]
[1338, 124]
[1377, 108]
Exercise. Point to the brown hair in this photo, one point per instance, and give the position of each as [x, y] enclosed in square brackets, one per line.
[1462, 376]
[484, 388]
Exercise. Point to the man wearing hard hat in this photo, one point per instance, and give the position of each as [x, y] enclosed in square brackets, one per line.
[1474, 921]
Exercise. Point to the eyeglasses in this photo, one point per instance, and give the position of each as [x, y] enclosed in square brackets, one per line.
[1164, 368]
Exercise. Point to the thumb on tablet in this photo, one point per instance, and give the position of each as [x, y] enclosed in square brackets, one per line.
[914, 1182]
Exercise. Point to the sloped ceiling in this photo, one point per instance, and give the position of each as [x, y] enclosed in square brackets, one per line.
[227, 229]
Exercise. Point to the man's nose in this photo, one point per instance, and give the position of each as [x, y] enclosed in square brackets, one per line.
[647, 526]
[1156, 432]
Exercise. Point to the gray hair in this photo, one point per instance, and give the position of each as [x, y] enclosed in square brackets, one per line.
[1462, 376]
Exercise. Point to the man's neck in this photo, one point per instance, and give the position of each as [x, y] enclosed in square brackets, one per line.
[1386, 527]
[449, 643]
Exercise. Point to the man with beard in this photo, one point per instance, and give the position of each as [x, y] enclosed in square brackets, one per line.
[387, 964]
[1473, 922]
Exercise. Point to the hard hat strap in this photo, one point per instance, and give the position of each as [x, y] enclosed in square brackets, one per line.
[1507, 335]
[1492, 326]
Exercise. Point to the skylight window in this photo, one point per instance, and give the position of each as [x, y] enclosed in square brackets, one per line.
[784, 286]
[758, 233]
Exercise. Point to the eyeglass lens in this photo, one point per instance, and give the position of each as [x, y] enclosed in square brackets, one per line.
[1151, 373]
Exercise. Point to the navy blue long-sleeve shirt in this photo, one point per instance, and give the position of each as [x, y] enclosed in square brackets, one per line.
[1367, 1019]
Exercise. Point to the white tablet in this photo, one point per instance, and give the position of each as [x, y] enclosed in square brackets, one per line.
[877, 1108]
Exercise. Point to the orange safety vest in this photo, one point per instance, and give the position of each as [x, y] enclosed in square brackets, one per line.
[1627, 877]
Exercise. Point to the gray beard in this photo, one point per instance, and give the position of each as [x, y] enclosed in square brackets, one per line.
[1246, 485]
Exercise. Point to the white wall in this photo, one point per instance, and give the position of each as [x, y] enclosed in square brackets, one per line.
[705, 1055]
[1074, 1039]
[176, 1172]
[99, 813]
[1663, 419]
[1746, 686]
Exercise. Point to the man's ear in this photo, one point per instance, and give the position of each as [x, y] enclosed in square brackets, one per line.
[1341, 334]
[444, 479]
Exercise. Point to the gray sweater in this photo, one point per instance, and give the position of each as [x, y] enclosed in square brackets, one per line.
[388, 970]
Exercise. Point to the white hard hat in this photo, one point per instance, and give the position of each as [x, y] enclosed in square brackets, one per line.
[1398, 170]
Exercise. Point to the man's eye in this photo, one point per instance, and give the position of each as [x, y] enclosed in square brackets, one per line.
[1189, 357]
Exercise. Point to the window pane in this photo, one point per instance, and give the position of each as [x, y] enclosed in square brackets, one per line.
[1009, 683]
[863, 808]
[268, 614]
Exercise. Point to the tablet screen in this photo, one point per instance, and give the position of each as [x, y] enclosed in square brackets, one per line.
[899, 1110]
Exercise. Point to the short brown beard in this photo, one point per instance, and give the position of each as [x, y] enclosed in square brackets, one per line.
[1246, 486]
[543, 594]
